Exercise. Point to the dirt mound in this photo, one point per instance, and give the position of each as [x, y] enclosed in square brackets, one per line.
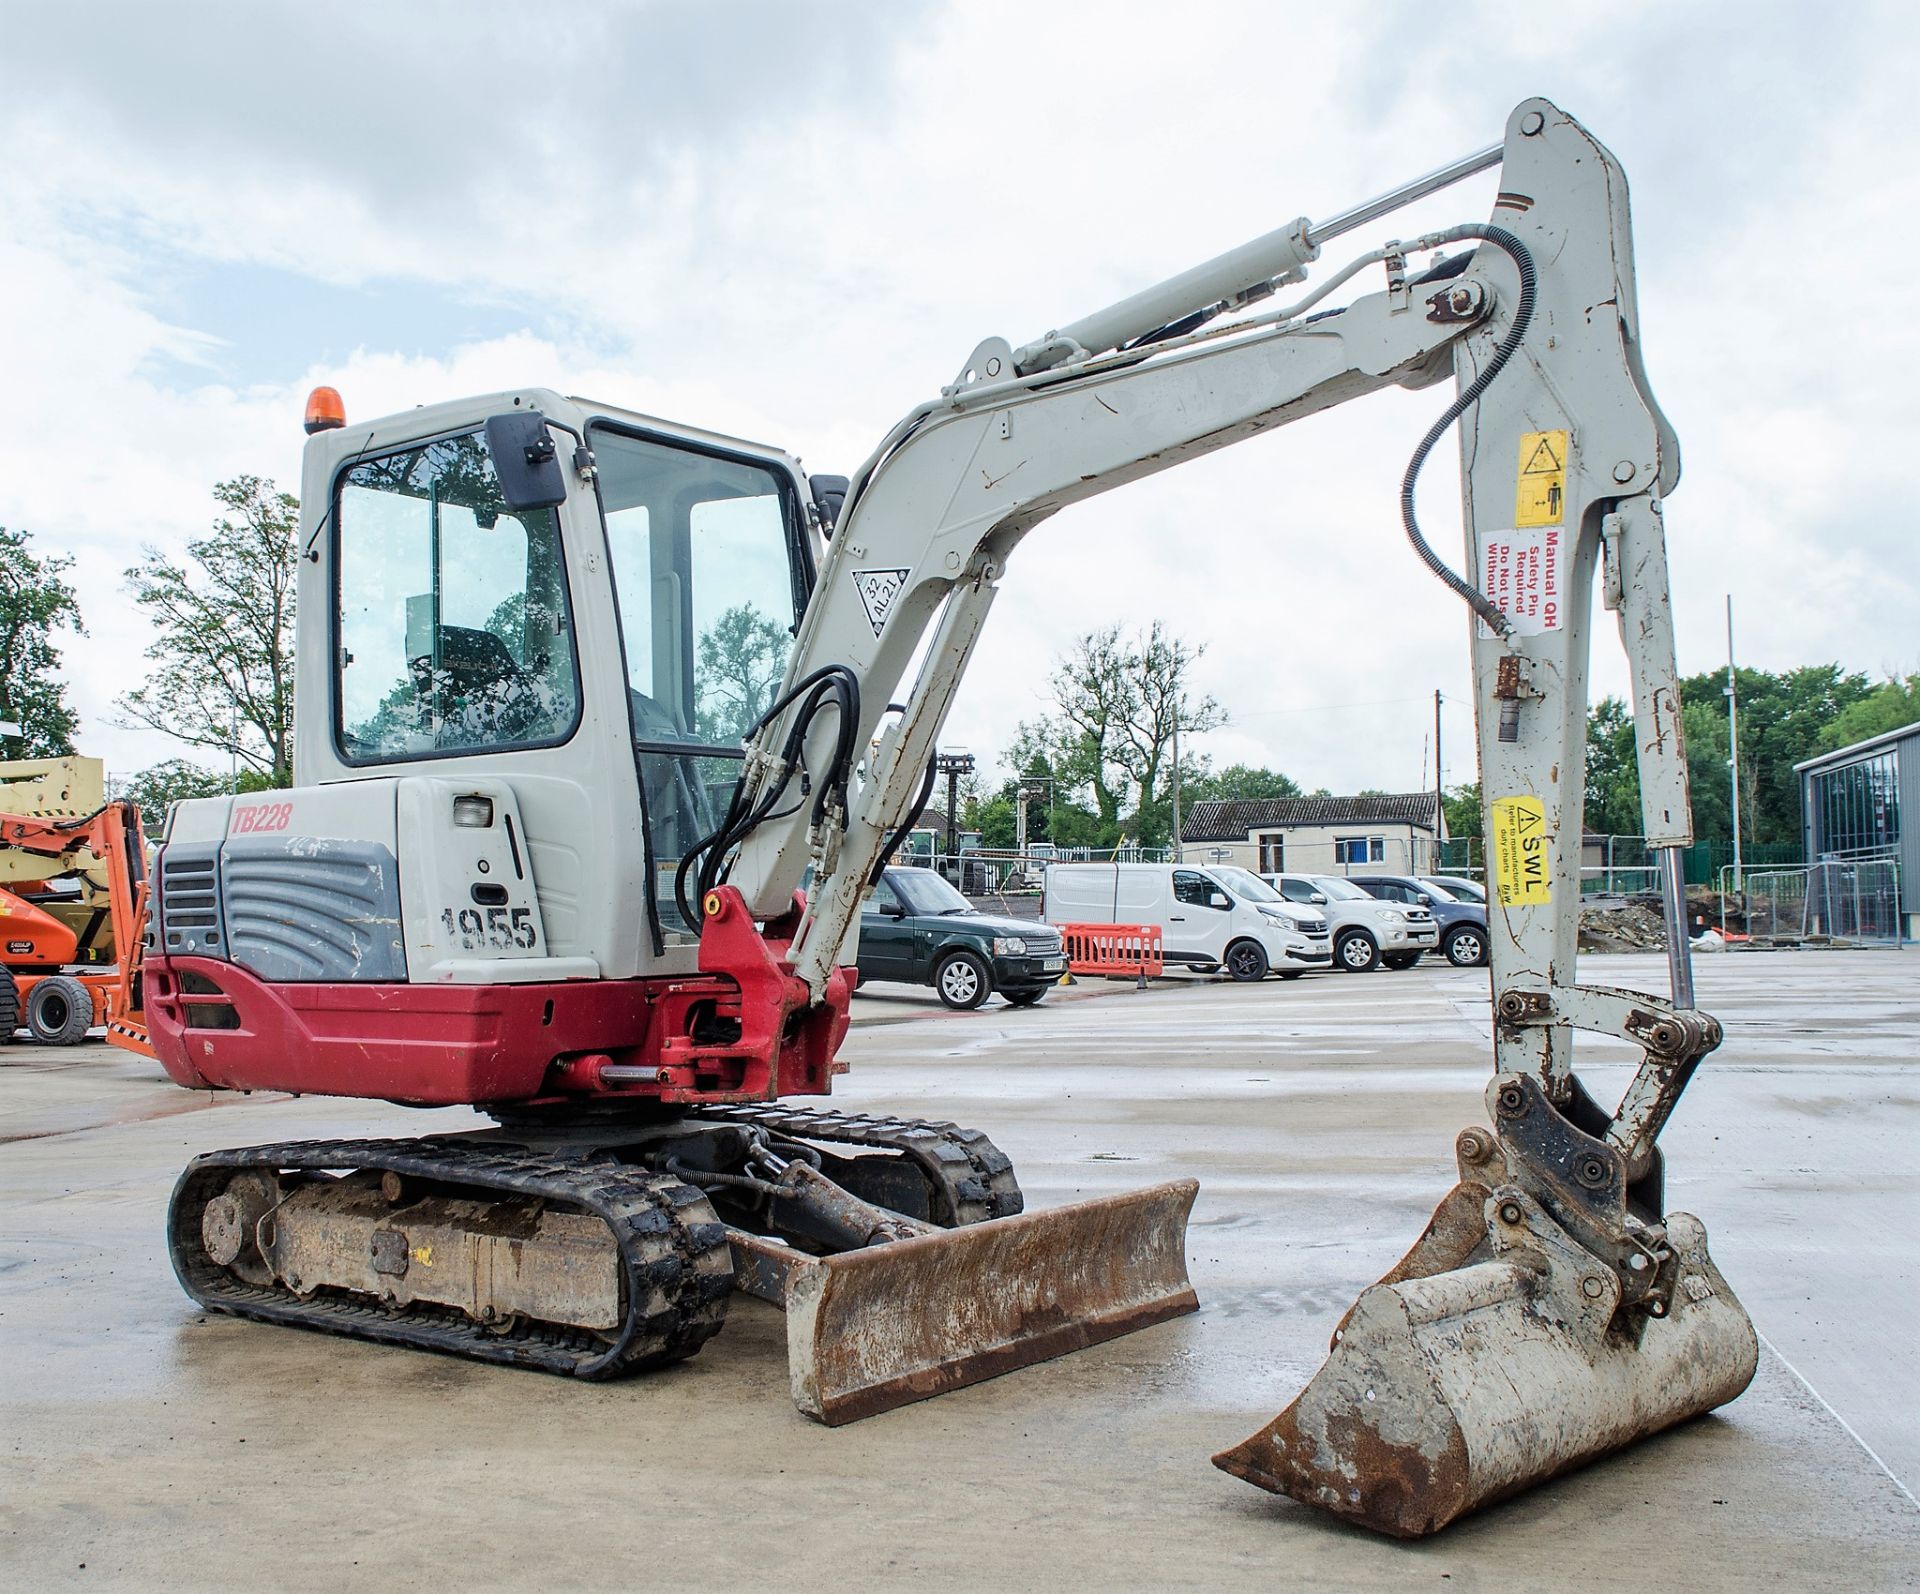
[1621, 927]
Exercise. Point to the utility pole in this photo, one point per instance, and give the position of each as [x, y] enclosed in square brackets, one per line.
[1176, 788]
[1439, 797]
[1733, 746]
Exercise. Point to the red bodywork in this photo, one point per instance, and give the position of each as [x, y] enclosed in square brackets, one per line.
[740, 1030]
[114, 836]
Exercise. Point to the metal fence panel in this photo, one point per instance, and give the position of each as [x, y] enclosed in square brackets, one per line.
[1836, 902]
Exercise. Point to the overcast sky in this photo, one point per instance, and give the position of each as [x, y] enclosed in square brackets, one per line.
[792, 222]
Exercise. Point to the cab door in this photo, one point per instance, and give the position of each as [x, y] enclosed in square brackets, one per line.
[1200, 915]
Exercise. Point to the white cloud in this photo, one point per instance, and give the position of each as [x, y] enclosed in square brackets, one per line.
[792, 223]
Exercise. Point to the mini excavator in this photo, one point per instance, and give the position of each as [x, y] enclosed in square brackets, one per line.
[587, 697]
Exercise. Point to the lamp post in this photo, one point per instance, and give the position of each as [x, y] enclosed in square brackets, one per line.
[953, 766]
[1733, 747]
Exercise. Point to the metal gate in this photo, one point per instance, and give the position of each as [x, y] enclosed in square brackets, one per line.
[1836, 902]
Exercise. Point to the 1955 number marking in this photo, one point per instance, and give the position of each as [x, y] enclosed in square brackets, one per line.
[499, 930]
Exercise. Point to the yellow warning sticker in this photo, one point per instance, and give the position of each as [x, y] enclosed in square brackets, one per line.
[1520, 852]
[1540, 499]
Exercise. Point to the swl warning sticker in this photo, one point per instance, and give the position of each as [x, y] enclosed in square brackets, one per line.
[878, 589]
[1540, 494]
[1520, 851]
[1520, 570]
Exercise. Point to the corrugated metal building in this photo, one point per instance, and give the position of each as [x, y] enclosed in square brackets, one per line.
[1851, 802]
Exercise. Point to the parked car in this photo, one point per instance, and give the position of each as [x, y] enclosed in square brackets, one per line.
[1459, 886]
[1463, 925]
[1366, 931]
[915, 928]
[1209, 918]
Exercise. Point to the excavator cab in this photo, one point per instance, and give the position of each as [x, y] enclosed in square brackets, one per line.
[458, 632]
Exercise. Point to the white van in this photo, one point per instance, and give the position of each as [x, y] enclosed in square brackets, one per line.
[1209, 917]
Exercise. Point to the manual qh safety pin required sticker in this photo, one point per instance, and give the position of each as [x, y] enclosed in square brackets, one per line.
[1521, 567]
[878, 589]
[1521, 867]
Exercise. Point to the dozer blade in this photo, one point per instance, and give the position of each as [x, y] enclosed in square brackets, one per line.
[872, 1329]
[1493, 1358]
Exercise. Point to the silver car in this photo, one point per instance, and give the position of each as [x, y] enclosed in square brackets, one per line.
[1366, 931]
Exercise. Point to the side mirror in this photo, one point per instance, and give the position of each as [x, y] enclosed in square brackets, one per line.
[1423, 899]
[1318, 897]
[525, 460]
[892, 910]
[1216, 899]
[829, 493]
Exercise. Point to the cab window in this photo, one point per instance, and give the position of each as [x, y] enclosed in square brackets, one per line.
[455, 633]
[882, 898]
[1196, 890]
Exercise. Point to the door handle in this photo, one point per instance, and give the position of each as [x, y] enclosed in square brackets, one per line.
[1176, 918]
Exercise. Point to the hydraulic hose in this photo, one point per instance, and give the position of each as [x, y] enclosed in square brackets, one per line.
[1522, 258]
[831, 686]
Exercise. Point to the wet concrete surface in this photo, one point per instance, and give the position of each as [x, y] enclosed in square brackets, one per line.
[144, 1444]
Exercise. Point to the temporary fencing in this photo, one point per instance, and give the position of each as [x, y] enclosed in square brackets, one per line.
[1838, 901]
[1132, 951]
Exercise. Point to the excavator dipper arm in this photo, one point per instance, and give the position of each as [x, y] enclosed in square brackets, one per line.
[1565, 456]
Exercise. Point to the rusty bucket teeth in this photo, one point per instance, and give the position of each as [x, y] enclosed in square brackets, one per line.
[877, 1328]
[1448, 1390]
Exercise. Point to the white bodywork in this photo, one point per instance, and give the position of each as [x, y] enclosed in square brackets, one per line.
[1143, 893]
[1390, 926]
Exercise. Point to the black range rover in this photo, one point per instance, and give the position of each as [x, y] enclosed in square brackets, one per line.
[916, 928]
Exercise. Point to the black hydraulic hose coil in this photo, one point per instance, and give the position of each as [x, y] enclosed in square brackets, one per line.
[1522, 258]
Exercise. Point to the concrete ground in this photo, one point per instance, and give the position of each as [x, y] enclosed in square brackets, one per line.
[146, 1445]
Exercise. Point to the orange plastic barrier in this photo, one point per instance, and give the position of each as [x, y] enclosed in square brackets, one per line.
[1131, 950]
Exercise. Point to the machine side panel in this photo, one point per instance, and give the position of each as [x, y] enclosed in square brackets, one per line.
[309, 908]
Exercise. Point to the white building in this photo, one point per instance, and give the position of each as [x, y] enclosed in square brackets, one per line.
[1395, 833]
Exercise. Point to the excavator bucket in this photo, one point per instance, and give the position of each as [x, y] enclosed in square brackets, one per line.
[1493, 1357]
[871, 1329]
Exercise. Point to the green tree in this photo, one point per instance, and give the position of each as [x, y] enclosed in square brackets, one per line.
[1613, 770]
[159, 786]
[1782, 720]
[1785, 718]
[1894, 703]
[743, 656]
[1237, 783]
[1465, 818]
[224, 656]
[35, 602]
[1119, 700]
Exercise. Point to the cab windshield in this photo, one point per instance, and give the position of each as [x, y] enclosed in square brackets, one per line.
[1338, 890]
[1245, 884]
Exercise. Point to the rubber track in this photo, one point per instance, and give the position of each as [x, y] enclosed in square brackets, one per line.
[973, 1174]
[665, 1231]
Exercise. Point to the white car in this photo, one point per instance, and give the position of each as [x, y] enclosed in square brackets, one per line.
[1366, 931]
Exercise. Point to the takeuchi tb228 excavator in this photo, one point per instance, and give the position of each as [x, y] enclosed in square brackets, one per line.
[587, 696]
